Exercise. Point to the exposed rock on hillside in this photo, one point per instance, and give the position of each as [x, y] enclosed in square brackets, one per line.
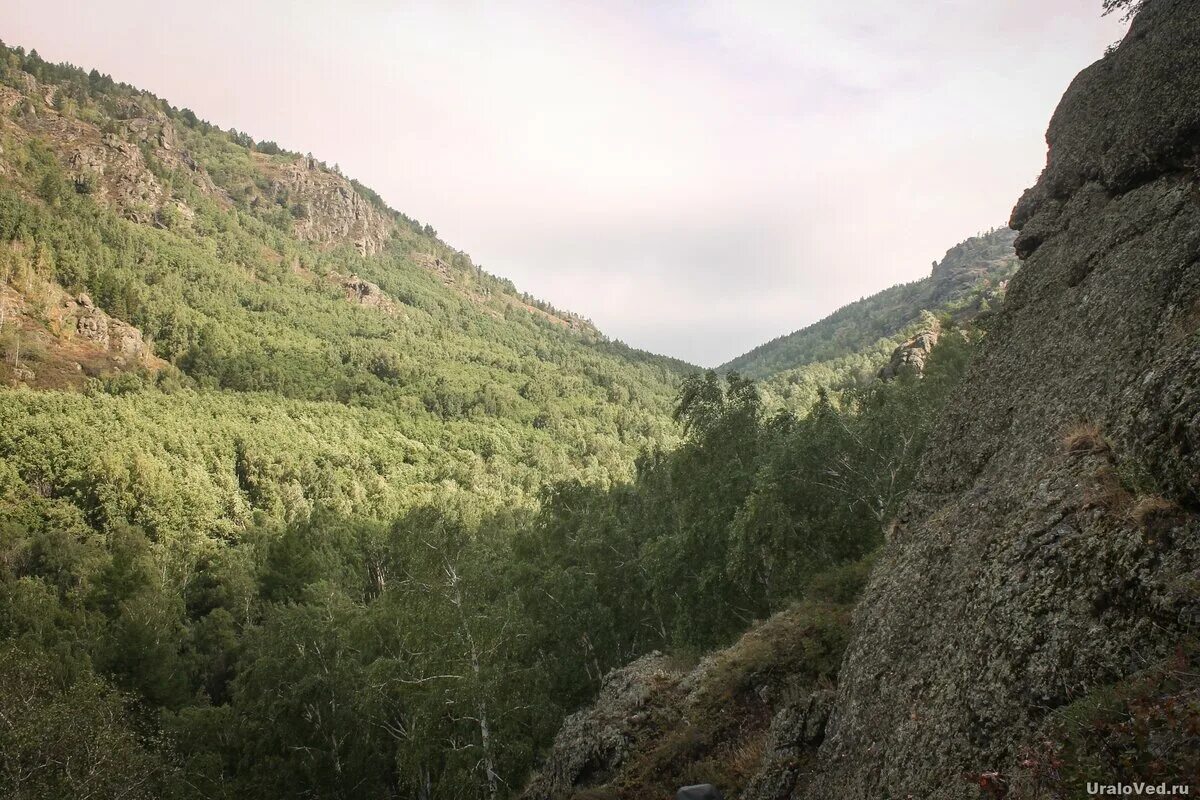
[59, 340]
[594, 744]
[112, 335]
[747, 719]
[910, 356]
[111, 162]
[363, 292]
[969, 262]
[1024, 575]
[332, 211]
[796, 732]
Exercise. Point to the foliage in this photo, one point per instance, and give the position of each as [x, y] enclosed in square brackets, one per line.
[303, 626]
[845, 349]
[1130, 7]
[1143, 729]
[340, 550]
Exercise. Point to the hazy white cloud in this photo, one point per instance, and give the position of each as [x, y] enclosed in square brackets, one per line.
[694, 176]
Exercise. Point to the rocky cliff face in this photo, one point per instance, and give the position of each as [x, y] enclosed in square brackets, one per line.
[911, 355]
[973, 260]
[56, 340]
[1027, 572]
[333, 212]
[747, 719]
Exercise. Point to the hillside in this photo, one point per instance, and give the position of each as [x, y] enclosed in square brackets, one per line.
[296, 501]
[847, 348]
[225, 368]
[145, 251]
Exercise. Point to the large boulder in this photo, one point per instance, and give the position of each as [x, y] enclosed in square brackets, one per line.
[910, 356]
[593, 744]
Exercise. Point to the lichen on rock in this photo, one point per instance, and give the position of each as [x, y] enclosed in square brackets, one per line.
[1021, 576]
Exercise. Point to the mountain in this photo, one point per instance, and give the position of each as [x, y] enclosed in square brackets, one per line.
[157, 263]
[849, 346]
[296, 500]
[1028, 628]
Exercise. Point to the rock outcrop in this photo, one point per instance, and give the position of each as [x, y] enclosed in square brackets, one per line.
[796, 732]
[1022, 575]
[361, 291]
[593, 744]
[910, 356]
[66, 339]
[114, 163]
[332, 211]
[748, 719]
[364, 292]
[973, 260]
[111, 335]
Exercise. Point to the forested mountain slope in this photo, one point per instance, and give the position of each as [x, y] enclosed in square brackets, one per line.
[231, 376]
[145, 252]
[846, 348]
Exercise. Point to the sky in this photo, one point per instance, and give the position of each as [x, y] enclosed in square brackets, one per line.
[695, 177]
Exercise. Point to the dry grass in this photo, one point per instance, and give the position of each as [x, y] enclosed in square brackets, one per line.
[803, 643]
[1157, 518]
[746, 759]
[1151, 508]
[1108, 492]
[1085, 438]
[718, 733]
[598, 793]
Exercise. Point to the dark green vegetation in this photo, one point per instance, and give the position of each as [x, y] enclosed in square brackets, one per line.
[845, 349]
[364, 522]
[348, 655]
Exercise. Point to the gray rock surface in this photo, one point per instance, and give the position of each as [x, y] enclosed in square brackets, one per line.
[593, 743]
[335, 212]
[93, 325]
[796, 732]
[968, 262]
[1020, 576]
[911, 355]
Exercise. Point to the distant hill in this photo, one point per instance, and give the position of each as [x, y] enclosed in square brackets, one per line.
[850, 345]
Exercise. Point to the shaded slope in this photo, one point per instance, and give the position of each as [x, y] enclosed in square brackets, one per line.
[976, 267]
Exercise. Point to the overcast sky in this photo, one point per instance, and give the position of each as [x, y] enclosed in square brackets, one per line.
[695, 177]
